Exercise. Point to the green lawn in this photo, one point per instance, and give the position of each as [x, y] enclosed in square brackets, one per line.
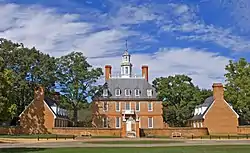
[193, 149]
[134, 142]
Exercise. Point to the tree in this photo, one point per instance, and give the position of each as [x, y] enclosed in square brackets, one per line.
[237, 87]
[7, 109]
[76, 79]
[179, 96]
[28, 67]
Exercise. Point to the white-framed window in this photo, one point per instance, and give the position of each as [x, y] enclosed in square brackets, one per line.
[201, 124]
[137, 92]
[117, 106]
[105, 106]
[127, 92]
[127, 106]
[149, 92]
[105, 122]
[150, 106]
[117, 122]
[194, 124]
[117, 92]
[126, 70]
[137, 106]
[150, 122]
[105, 92]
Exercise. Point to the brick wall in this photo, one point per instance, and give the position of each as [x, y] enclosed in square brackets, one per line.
[167, 132]
[243, 129]
[10, 130]
[81, 131]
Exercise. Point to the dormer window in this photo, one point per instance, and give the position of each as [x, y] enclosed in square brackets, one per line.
[137, 92]
[149, 92]
[105, 92]
[127, 92]
[117, 92]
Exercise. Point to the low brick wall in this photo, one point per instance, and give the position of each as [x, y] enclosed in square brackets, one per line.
[244, 129]
[10, 130]
[82, 131]
[168, 132]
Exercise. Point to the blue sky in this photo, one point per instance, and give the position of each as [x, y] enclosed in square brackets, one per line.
[192, 37]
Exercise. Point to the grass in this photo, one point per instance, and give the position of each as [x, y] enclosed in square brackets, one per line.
[193, 149]
[35, 136]
[134, 142]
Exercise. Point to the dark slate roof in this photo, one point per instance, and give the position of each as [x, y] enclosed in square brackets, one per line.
[207, 103]
[128, 83]
[50, 102]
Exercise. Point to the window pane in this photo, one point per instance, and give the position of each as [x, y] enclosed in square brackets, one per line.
[117, 122]
[105, 122]
[150, 106]
[137, 106]
[117, 106]
[105, 106]
[150, 122]
[126, 70]
[127, 106]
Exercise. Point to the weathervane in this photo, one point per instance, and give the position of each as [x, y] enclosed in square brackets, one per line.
[126, 44]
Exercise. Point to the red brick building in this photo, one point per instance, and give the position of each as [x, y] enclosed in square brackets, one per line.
[127, 102]
[42, 114]
[216, 114]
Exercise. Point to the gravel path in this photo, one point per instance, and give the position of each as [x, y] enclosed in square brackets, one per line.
[80, 143]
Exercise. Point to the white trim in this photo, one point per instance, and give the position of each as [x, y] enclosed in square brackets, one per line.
[149, 92]
[126, 105]
[105, 94]
[44, 103]
[118, 92]
[231, 108]
[26, 108]
[152, 122]
[50, 109]
[204, 116]
[138, 93]
[119, 106]
[129, 91]
[139, 106]
[106, 122]
[119, 122]
[151, 106]
[103, 104]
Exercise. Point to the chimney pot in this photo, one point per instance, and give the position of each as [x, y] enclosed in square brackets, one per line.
[107, 72]
[145, 71]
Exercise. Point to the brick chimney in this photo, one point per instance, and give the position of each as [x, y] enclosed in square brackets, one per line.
[107, 72]
[39, 93]
[218, 91]
[145, 71]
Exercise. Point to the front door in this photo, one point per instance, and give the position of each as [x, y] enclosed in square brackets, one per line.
[129, 125]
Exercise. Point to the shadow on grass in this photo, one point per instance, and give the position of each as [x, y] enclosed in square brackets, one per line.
[20, 150]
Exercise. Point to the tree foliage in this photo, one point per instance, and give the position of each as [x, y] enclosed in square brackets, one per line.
[77, 78]
[238, 87]
[26, 68]
[179, 96]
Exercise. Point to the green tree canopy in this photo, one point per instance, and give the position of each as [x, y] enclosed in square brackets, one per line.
[77, 80]
[179, 96]
[238, 87]
[28, 68]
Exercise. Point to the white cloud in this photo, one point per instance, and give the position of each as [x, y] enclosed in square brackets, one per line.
[239, 11]
[204, 67]
[187, 26]
[58, 34]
